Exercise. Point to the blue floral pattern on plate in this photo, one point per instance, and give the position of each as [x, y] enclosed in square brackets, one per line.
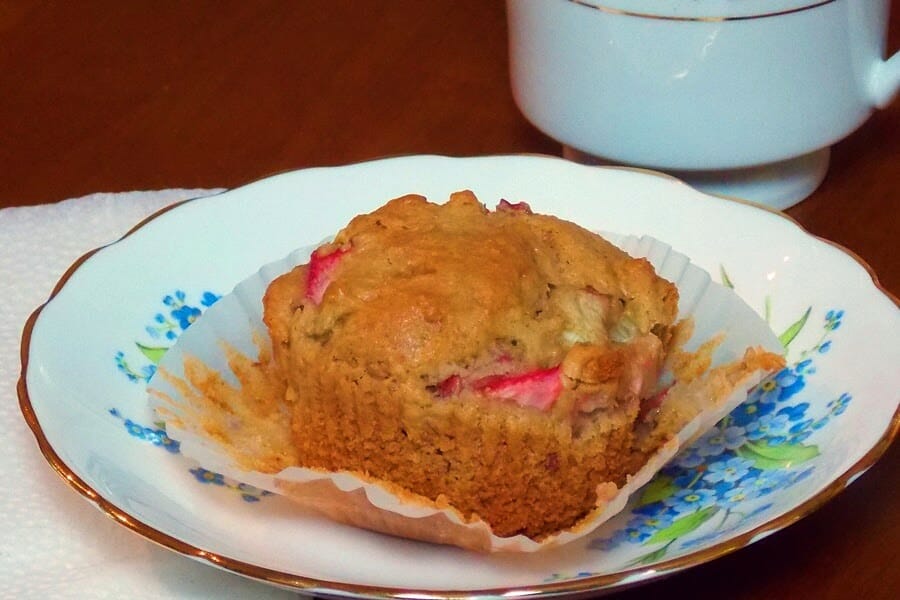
[177, 315]
[719, 484]
[757, 449]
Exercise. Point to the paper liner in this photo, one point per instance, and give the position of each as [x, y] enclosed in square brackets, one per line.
[236, 321]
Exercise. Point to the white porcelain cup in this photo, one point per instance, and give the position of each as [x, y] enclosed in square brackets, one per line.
[739, 97]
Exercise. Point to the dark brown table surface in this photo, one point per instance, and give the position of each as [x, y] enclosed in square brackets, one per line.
[120, 96]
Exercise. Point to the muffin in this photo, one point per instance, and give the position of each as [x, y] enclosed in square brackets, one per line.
[501, 362]
[487, 379]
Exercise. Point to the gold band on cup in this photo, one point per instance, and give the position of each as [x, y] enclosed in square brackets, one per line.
[712, 19]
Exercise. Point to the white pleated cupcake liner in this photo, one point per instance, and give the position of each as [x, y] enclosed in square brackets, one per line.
[236, 321]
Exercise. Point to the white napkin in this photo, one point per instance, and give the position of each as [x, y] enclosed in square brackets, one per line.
[53, 543]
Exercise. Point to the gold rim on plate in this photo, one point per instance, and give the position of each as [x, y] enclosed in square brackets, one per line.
[581, 585]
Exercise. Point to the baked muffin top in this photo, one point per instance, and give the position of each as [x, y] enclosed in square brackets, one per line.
[421, 291]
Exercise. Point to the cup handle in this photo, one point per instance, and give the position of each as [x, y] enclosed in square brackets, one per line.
[884, 81]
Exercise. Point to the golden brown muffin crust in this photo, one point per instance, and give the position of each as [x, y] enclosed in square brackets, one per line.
[424, 284]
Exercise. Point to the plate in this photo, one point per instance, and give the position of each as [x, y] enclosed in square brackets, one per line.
[801, 437]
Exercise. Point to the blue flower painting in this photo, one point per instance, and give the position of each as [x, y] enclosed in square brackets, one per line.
[165, 328]
[177, 314]
[721, 482]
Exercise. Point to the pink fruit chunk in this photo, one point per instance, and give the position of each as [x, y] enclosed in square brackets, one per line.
[538, 389]
[449, 387]
[506, 205]
[321, 269]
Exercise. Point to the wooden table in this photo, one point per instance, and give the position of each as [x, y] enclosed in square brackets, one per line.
[115, 96]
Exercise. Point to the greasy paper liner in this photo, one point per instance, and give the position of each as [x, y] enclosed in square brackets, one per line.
[236, 321]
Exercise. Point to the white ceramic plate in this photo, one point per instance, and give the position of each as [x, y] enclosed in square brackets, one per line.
[801, 437]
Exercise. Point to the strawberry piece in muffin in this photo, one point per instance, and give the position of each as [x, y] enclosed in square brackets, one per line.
[538, 389]
[322, 264]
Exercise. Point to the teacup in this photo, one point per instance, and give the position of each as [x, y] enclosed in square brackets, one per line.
[737, 97]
